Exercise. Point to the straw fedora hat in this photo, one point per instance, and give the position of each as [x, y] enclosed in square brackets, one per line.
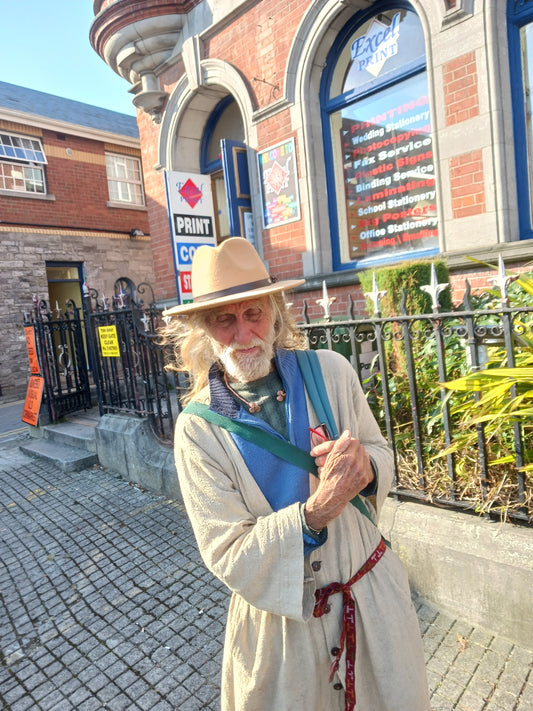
[231, 272]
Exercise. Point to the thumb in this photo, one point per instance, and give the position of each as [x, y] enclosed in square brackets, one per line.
[343, 442]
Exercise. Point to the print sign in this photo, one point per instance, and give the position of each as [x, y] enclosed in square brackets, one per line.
[192, 223]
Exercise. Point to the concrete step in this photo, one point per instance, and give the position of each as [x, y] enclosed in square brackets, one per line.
[72, 434]
[67, 458]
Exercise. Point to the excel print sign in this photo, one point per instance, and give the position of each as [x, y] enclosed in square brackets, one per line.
[192, 220]
[371, 50]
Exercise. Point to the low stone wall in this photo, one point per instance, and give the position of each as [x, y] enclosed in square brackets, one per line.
[477, 570]
[126, 445]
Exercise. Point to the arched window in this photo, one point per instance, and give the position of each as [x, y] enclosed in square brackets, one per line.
[376, 122]
[520, 29]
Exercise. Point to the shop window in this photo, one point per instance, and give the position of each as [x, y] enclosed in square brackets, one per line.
[124, 180]
[378, 140]
[520, 28]
[22, 162]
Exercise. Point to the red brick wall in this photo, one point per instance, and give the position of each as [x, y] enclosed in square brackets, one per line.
[461, 99]
[258, 44]
[467, 184]
[479, 280]
[461, 103]
[340, 307]
[76, 176]
[154, 183]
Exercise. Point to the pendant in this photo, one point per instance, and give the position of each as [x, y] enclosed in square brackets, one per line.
[254, 407]
[281, 395]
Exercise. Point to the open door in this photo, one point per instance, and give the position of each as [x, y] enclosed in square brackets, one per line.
[237, 184]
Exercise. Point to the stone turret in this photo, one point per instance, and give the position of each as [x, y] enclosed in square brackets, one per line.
[137, 39]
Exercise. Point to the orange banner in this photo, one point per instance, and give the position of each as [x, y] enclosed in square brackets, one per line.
[32, 351]
[32, 405]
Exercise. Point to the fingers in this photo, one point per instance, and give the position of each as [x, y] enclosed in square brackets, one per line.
[321, 448]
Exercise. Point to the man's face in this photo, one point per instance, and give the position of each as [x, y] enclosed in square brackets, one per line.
[242, 335]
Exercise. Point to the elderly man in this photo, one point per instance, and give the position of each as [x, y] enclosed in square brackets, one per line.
[321, 617]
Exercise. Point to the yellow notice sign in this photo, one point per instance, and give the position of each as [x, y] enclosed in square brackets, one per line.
[34, 394]
[109, 341]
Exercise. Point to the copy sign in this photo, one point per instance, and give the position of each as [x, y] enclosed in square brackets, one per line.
[186, 252]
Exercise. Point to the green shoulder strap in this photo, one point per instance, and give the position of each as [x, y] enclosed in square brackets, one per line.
[316, 389]
[283, 449]
[280, 447]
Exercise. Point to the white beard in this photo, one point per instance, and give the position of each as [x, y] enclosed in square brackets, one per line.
[246, 367]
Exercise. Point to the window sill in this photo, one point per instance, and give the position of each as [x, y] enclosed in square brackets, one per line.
[126, 206]
[29, 196]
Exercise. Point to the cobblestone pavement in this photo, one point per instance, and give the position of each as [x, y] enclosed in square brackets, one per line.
[105, 604]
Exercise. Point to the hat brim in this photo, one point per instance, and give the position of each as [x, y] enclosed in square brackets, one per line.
[276, 287]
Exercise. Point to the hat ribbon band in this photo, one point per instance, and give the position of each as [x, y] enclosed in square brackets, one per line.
[233, 290]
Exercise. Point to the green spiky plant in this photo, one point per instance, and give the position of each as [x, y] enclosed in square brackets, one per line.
[499, 398]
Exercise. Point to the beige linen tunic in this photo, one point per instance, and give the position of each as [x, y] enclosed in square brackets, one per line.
[277, 655]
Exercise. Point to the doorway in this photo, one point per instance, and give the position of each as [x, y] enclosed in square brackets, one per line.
[65, 280]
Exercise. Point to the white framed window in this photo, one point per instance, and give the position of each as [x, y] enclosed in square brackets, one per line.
[22, 162]
[124, 179]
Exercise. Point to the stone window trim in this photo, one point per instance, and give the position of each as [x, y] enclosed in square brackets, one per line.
[29, 196]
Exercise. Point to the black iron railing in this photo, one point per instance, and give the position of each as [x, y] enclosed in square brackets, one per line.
[401, 361]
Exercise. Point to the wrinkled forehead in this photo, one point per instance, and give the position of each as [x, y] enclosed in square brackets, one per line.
[240, 307]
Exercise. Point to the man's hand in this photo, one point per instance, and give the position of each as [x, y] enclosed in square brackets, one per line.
[344, 470]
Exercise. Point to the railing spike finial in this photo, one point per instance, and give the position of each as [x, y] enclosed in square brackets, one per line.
[146, 322]
[326, 301]
[351, 308]
[403, 302]
[305, 312]
[466, 297]
[434, 289]
[121, 299]
[375, 295]
[503, 280]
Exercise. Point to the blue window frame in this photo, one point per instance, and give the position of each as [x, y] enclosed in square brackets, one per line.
[520, 34]
[378, 144]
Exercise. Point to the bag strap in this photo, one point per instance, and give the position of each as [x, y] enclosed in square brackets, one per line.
[316, 389]
[280, 447]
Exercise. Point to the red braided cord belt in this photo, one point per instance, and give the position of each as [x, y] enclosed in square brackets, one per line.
[348, 621]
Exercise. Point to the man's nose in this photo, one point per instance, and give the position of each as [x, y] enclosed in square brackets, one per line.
[243, 331]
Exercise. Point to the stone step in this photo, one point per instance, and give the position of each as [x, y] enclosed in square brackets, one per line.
[67, 458]
[72, 434]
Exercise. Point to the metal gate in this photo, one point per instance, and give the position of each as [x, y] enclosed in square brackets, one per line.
[60, 345]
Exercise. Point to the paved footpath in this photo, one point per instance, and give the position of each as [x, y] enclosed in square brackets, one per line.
[105, 604]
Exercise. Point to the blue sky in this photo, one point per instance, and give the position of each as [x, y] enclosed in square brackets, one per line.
[45, 46]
